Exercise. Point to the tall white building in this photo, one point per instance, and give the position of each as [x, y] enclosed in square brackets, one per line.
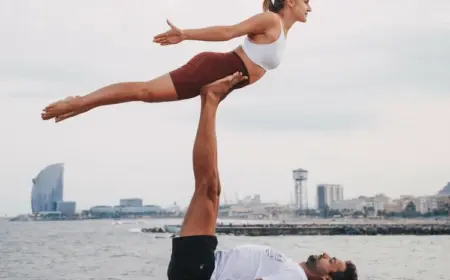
[48, 187]
[300, 189]
[328, 193]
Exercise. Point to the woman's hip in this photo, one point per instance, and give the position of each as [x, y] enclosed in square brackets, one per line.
[205, 68]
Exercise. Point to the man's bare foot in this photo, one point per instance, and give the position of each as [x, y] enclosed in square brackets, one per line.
[218, 90]
[65, 106]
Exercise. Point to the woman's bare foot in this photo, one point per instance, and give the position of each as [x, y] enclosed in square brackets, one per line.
[62, 107]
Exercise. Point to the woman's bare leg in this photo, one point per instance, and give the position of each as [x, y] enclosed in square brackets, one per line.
[160, 89]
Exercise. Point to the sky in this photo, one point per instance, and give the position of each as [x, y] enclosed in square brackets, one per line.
[361, 99]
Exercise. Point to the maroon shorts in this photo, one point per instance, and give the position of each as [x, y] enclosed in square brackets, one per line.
[205, 68]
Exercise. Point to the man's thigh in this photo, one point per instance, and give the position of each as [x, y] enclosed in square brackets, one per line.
[192, 258]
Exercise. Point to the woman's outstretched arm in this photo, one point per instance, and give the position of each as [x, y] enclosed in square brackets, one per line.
[255, 25]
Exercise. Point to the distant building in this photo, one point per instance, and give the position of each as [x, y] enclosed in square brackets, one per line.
[235, 210]
[110, 211]
[443, 202]
[425, 204]
[131, 202]
[47, 189]
[67, 208]
[140, 210]
[378, 202]
[355, 204]
[395, 206]
[103, 211]
[300, 188]
[249, 200]
[263, 210]
[370, 205]
[381, 198]
[328, 193]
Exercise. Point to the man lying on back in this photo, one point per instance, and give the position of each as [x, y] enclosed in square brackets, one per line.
[254, 262]
[194, 255]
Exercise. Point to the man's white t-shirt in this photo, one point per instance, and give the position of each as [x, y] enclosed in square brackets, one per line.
[251, 262]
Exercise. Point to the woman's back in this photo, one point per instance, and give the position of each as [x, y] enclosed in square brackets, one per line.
[266, 55]
[263, 52]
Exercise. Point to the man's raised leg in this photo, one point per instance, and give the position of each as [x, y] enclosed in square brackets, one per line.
[193, 252]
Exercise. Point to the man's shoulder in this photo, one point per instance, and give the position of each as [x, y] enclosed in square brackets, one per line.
[287, 270]
[290, 270]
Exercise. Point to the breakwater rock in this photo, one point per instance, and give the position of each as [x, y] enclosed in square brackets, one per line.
[153, 230]
[326, 229]
[164, 229]
[333, 229]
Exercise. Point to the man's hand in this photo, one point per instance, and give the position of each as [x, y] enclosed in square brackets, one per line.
[220, 88]
[171, 37]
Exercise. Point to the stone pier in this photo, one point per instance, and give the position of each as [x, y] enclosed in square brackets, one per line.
[275, 230]
[322, 229]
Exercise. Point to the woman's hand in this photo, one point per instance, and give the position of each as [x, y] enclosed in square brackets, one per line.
[171, 37]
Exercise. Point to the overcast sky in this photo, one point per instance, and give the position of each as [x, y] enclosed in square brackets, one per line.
[361, 99]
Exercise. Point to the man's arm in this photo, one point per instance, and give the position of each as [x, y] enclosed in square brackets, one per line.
[310, 277]
[291, 273]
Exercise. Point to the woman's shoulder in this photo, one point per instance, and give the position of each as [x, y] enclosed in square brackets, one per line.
[273, 19]
[270, 16]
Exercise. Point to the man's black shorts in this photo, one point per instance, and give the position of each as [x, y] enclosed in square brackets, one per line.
[192, 258]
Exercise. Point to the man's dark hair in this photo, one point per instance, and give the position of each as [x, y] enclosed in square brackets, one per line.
[273, 5]
[350, 273]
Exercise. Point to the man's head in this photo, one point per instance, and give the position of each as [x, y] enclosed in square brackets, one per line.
[324, 265]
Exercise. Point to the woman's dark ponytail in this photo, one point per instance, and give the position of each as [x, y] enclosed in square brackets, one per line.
[273, 5]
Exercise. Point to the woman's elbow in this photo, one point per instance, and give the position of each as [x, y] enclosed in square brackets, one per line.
[230, 33]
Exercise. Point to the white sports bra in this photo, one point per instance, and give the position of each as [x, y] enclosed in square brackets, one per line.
[267, 56]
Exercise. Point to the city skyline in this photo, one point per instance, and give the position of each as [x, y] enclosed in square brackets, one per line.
[359, 101]
[325, 193]
[48, 188]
